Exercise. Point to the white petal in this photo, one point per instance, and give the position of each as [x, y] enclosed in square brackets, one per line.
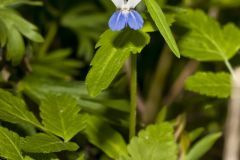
[133, 3]
[118, 3]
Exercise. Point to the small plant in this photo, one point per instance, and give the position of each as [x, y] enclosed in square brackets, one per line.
[89, 82]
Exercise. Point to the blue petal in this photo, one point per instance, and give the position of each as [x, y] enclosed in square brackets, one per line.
[135, 20]
[118, 21]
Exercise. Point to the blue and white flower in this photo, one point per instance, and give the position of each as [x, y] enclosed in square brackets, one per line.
[125, 15]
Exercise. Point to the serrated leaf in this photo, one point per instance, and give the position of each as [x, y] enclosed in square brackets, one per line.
[155, 143]
[43, 143]
[115, 48]
[14, 110]
[210, 84]
[10, 145]
[104, 137]
[201, 147]
[206, 40]
[160, 20]
[60, 116]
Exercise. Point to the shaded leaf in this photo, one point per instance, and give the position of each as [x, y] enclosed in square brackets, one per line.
[202, 146]
[210, 84]
[15, 46]
[14, 110]
[13, 19]
[104, 137]
[155, 143]
[43, 143]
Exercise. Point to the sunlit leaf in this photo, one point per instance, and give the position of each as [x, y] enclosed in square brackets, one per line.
[210, 84]
[10, 145]
[114, 49]
[162, 24]
[60, 115]
[206, 40]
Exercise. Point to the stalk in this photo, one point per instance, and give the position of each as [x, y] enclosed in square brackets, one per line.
[133, 96]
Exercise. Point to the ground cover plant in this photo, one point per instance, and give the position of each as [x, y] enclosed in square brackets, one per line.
[121, 80]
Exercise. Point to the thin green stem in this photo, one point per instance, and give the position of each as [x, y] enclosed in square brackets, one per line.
[49, 38]
[133, 94]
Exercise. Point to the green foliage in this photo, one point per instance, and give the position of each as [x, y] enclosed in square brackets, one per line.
[55, 64]
[49, 114]
[10, 145]
[81, 23]
[155, 143]
[202, 146]
[115, 48]
[104, 137]
[60, 115]
[210, 84]
[43, 143]
[14, 110]
[5, 3]
[162, 24]
[206, 40]
[13, 27]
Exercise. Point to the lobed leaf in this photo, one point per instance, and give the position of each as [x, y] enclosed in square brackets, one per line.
[155, 143]
[206, 40]
[60, 116]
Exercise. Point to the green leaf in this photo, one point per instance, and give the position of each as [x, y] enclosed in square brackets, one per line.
[104, 137]
[3, 33]
[201, 147]
[43, 143]
[206, 40]
[56, 64]
[39, 88]
[60, 115]
[14, 110]
[210, 84]
[13, 19]
[115, 48]
[160, 20]
[155, 143]
[79, 19]
[10, 145]
[15, 46]
[4, 3]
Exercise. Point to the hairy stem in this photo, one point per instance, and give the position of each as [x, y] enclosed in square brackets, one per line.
[133, 94]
